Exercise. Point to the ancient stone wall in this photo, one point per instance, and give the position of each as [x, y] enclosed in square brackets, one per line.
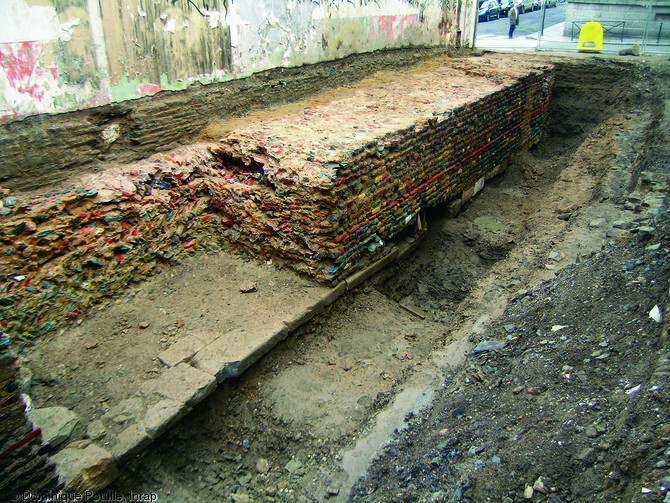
[24, 463]
[47, 149]
[321, 188]
[343, 178]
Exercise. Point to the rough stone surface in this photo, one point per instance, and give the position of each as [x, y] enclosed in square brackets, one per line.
[489, 346]
[129, 442]
[56, 423]
[85, 466]
[232, 353]
[126, 411]
[96, 430]
[182, 383]
[181, 351]
[162, 415]
[630, 51]
[300, 318]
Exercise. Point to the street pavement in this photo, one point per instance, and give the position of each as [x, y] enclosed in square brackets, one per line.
[528, 37]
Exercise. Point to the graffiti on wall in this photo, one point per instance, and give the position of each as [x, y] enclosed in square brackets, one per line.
[26, 79]
[164, 44]
[280, 33]
[53, 61]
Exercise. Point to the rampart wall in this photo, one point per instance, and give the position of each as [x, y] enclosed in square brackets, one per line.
[321, 189]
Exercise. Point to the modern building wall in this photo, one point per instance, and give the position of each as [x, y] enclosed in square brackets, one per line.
[639, 17]
[63, 55]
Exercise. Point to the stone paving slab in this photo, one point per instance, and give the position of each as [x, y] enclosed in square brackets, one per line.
[229, 355]
[183, 383]
[86, 467]
[194, 366]
[182, 351]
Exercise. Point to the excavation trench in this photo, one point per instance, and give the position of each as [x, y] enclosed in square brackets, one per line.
[308, 419]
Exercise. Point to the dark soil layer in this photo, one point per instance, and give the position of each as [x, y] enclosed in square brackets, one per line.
[583, 408]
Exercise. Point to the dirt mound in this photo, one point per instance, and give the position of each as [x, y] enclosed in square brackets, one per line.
[575, 398]
[564, 397]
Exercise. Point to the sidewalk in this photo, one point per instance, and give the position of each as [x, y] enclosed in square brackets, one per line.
[553, 40]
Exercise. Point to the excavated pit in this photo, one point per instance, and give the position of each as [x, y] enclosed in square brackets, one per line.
[317, 410]
[321, 189]
[292, 406]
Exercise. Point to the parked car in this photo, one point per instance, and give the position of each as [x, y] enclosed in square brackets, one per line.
[489, 9]
[549, 3]
[527, 5]
[505, 6]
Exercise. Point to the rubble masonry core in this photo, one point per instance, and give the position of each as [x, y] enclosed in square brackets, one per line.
[321, 189]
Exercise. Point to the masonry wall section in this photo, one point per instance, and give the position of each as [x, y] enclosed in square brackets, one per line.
[438, 161]
[46, 149]
[271, 190]
[24, 463]
[340, 200]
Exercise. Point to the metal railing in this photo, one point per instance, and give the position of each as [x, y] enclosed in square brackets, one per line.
[615, 28]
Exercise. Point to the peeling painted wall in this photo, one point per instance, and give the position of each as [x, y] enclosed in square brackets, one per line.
[62, 55]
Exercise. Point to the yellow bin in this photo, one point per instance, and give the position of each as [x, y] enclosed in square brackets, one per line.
[591, 37]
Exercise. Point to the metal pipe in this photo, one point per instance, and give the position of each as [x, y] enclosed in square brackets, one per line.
[646, 25]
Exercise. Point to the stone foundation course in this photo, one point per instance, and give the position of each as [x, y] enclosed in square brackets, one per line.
[25, 466]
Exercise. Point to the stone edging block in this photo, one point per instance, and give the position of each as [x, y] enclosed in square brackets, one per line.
[85, 466]
[234, 352]
[181, 352]
[130, 441]
[163, 415]
[182, 383]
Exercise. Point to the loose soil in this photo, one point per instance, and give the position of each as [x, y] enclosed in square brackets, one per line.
[559, 261]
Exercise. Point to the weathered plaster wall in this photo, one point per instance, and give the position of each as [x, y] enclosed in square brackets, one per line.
[63, 55]
[34, 39]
